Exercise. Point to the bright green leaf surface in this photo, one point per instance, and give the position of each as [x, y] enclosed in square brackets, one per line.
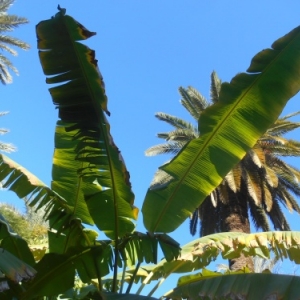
[248, 105]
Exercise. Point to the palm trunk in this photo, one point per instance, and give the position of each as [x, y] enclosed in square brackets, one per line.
[235, 218]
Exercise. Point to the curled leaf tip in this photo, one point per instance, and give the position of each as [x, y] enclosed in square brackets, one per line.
[62, 11]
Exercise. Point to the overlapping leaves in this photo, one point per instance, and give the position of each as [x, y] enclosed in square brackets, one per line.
[229, 128]
[199, 253]
[88, 170]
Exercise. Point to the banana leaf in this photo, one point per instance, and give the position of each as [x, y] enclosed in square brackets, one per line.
[112, 296]
[247, 106]
[240, 286]
[139, 248]
[199, 253]
[56, 272]
[88, 169]
[16, 260]
[15, 269]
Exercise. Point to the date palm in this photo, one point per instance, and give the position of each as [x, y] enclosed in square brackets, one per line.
[258, 186]
[7, 24]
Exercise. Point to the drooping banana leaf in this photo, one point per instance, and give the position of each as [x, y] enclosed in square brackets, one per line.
[14, 244]
[199, 253]
[15, 269]
[139, 247]
[240, 286]
[88, 170]
[20, 181]
[16, 260]
[247, 106]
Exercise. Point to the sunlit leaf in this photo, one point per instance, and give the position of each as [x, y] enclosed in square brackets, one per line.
[88, 169]
[228, 129]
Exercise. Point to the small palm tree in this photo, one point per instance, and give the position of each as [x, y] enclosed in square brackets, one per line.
[258, 185]
[9, 23]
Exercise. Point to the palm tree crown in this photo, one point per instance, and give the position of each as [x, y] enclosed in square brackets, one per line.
[260, 184]
[9, 23]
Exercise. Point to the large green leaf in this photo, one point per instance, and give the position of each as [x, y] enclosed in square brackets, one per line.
[247, 106]
[56, 272]
[88, 170]
[241, 286]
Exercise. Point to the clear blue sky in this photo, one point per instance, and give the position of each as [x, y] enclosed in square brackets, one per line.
[145, 51]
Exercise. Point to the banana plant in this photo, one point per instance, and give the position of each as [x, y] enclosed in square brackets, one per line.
[90, 182]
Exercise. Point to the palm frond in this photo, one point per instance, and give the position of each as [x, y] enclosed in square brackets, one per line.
[14, 42]
[7, 147]
[289, 200]
[282, 127]
[174, 121]
[285, 182]
[290, 115]
[179, 135]
[280, 147]
[10, 22]
[258, 216]
[271, 177]
[4, 6]
[167, 148]
[209, 216]
[230, 181]
[5, 76]
[193, 101]
[160, 179]
[215, 87]
[194, 222]
[277, 217]
[8, 49]
[283, 169]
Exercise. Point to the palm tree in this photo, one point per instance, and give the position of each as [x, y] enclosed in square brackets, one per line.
[7, 24]
[257, 186]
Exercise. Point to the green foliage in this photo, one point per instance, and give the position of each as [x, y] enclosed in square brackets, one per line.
[16, 220]
[91, 184]
[196, 171]
[9, 23]
[268, 286]
[30, 226]
[97, 189]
